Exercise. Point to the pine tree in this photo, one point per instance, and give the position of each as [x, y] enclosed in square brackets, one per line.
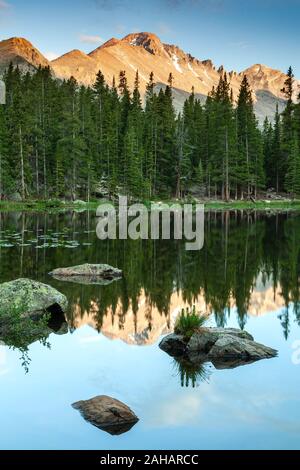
[64, 140]
[150, 136]
[292, 180]
[133, 148]
[4, 168]
[183, 153]
[124, 112]
[70, 143]
[288, 88]
[287, 130]
[276, 152]
[250, 176]
[268, 138]
[113, 139]
[165, 182]
[89, 141]
[221, 139]
[19, 122]
[99, 89]
[44, 93]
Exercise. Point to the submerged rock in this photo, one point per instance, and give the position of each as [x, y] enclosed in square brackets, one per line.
[88, 274]
[28, 298]
[221, 346]
[107, 414]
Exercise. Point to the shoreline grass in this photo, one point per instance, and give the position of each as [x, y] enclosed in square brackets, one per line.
[43, 206]
[62, 206]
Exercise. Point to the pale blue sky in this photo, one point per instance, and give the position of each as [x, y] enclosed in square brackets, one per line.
[230, 32]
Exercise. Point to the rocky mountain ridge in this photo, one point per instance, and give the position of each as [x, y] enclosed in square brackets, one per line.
[146, 53]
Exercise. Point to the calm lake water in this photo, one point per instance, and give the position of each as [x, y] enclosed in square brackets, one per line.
[247, 276]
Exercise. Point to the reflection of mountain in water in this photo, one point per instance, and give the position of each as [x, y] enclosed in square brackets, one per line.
[249, 265]
[147, 324]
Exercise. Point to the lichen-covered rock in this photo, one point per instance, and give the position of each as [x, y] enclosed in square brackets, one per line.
[107, 413]
[217, 345]
[88, 274]
[29, 298]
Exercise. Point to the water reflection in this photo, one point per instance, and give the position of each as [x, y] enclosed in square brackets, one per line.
[147, 324]
[191, 373]
[20, 332]
[250, 265]
[194, 368]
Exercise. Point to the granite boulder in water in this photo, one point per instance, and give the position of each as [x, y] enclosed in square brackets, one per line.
[88, 274]
[107, 414]
[217, 345]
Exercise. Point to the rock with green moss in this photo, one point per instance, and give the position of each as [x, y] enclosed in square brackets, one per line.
[88, 274]
[28, 298]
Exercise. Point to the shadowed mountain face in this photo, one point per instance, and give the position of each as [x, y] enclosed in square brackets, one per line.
[146, 53]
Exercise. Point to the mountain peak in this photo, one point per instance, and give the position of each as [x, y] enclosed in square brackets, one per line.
[149, 41]
[109, 43]
[17, 42]
[208, 63]
[144, 51]
[18, 45]
[74, 54]
[21, 52]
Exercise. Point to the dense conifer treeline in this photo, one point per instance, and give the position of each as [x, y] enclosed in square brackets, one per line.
[60, 139]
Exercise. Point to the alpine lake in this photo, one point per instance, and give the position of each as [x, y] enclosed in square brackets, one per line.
[247, 275]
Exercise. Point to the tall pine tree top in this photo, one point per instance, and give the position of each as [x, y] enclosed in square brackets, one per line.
[288, 88]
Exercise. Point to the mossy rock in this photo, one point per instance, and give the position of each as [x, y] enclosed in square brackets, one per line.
[29, 298]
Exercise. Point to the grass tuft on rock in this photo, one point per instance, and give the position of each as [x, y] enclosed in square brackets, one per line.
[188, 322]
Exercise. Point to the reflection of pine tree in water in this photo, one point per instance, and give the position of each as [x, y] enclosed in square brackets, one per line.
[191, 374]
[297, 311]
[19, 332]
[239, 248]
